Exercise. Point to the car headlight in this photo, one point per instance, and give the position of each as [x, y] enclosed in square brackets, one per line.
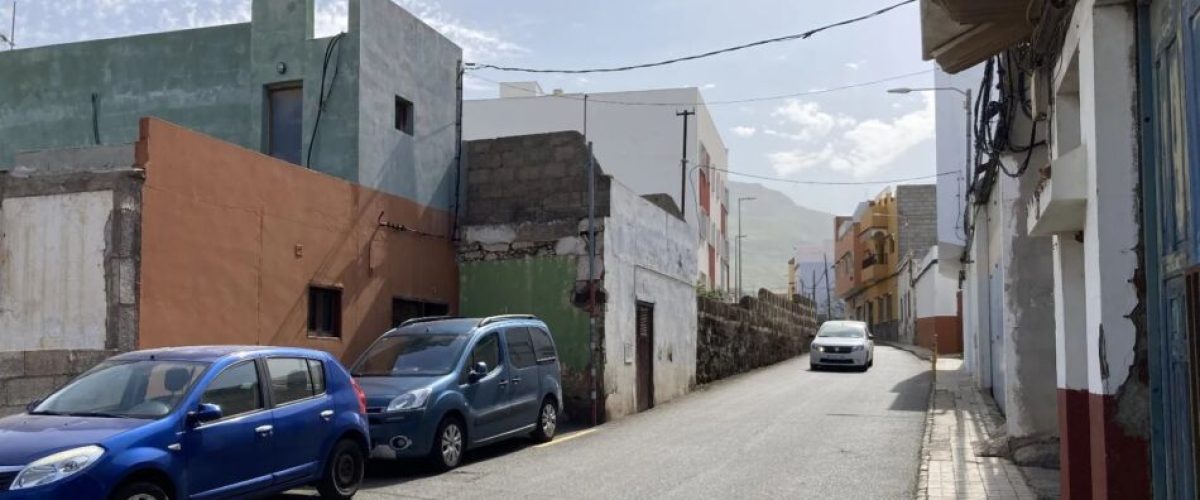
[818, 348]
[56, 467]
[411, 400]
[857, 348]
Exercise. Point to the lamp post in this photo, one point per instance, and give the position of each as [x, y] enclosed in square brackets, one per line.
[966, 162]
[739, 244]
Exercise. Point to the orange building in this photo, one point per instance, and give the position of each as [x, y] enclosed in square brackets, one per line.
[865, 244]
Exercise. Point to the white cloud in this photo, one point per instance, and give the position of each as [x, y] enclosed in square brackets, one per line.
[332, 17]
[479, 45]
[852, 66]
[844, 144]
[709, 86]
[744, 131]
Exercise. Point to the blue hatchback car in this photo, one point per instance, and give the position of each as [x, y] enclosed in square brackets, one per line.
[437, 387]
[191, 422]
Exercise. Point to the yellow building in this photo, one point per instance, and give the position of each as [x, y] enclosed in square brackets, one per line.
[867, 258]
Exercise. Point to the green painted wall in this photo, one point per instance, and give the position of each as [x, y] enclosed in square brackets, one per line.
[540, 286]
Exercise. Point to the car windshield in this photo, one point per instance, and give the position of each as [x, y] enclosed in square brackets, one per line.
[841, 332]
[124, 389]
[411, 354]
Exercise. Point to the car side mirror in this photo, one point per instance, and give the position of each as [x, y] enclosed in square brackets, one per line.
[478, 371]
[206, 412]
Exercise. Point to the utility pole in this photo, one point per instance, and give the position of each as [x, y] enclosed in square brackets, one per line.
[739, 244]
[814, 289]
[592, 383]
[828, 293]
[683, 173]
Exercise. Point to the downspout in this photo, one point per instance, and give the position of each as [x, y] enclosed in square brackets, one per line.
[458, 147]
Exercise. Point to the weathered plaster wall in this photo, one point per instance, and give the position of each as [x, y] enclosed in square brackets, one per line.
[402, 56]
[228, 229]
[69, 267]
[916, 207]
[647, 258]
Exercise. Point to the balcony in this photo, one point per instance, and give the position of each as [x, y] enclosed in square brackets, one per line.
[962, 33]
[1059, 204]
[874, 267]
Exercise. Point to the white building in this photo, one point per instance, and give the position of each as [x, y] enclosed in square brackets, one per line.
[637, 136]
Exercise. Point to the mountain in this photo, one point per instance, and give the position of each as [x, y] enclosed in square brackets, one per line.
[776, 230]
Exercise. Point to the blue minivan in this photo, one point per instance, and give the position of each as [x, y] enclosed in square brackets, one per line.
[437, 387]
[191, 422]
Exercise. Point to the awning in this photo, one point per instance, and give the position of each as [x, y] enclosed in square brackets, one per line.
[959, 34]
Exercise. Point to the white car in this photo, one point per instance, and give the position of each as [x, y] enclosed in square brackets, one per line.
[843, 343]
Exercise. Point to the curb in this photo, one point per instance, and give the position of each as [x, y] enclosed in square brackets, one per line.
[919, 352]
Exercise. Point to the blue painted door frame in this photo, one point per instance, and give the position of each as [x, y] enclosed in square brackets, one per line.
[1168, 56]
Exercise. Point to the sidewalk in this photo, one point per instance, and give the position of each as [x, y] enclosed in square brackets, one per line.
[959, 418]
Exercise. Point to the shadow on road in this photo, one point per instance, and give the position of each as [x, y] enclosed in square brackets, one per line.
[912, 394]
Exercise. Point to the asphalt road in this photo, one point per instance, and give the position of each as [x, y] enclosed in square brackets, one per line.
[778, 432]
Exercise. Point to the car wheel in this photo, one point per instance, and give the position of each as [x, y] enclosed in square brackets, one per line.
[140, 490]
[547, 422]
[343, 471]
[449, 444]
[813, 367]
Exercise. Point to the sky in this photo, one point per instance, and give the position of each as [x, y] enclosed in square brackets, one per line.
[861, 134]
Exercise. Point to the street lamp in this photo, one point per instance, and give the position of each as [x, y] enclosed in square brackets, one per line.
[739, 244]
[966, 93]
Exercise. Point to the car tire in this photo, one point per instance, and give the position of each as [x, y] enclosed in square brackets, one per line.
[140, 490]
[343, 471]
[813, 368]
[449, 445]
[547, 422]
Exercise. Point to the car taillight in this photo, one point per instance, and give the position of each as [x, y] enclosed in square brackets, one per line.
[362, 397]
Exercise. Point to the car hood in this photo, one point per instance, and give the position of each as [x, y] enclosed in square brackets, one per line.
[27, 437]
[382, 390]
[834, 341]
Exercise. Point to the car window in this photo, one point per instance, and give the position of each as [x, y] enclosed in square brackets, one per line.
[291, 380]
[486, 350]
[137, 389]
[317, 369]
[520, 347]
[235, 390]
[842, 331]
[543, 345]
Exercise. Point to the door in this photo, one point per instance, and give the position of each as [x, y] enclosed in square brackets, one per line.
[233, 455]
[302, 413]
[487, 396]
[645, 356]
[996, 329]
[524, 383]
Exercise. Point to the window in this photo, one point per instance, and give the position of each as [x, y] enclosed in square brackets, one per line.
[705, 190]
[317, 370]
[543, 345]
[403, 354]
[291, 380]
[405, 309]
[235, 390]
[520, 347]
[404, 115]
[487, 351]
[139, 389]
[324, 312]
[285, 121]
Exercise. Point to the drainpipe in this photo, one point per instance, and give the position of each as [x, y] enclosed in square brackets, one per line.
[458, 147]
[591, 173]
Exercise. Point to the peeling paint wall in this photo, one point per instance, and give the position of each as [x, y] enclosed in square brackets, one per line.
[647, 256]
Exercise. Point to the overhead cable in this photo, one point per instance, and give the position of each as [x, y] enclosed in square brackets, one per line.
[798, 36]
[834, 183]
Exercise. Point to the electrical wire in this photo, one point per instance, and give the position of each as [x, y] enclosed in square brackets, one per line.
[322, 95]
[832, 183]
[797, 36]
[591, 98]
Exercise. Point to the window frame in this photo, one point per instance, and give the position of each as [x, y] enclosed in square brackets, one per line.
[264, 397]
[470, 355]
[308, 369]
[336, 333]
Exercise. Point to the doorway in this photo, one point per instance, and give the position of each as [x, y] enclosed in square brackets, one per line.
[645, 356]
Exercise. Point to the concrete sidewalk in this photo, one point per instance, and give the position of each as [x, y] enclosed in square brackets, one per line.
[960, 417]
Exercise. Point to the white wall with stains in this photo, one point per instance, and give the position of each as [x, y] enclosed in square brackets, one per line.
[649, 257]
[52, 286]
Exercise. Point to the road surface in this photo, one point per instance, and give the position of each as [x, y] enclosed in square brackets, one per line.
[778, 432]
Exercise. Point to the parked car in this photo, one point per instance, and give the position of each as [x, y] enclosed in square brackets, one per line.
[437, 387]
[842, 343]
[191, 422]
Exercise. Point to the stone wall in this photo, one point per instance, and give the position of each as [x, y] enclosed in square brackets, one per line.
[758, 331]
[26, 376]
[916, 206]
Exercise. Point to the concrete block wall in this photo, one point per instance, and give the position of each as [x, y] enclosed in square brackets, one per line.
[758, 331]
[917, 227]
[27, 376]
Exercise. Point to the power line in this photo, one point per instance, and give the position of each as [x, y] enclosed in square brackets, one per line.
[798, 36]
[833, 183]
[592, 99]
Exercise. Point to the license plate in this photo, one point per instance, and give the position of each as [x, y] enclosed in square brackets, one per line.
[836, 356]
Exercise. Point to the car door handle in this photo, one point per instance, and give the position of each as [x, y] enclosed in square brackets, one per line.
[516, 380]
[503, 383]
[264, 429]
[326, 415]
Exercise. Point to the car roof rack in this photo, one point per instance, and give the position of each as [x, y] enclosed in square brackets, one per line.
[425, 319]
[502, 317]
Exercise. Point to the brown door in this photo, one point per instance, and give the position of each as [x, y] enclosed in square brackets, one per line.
[645, 356]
